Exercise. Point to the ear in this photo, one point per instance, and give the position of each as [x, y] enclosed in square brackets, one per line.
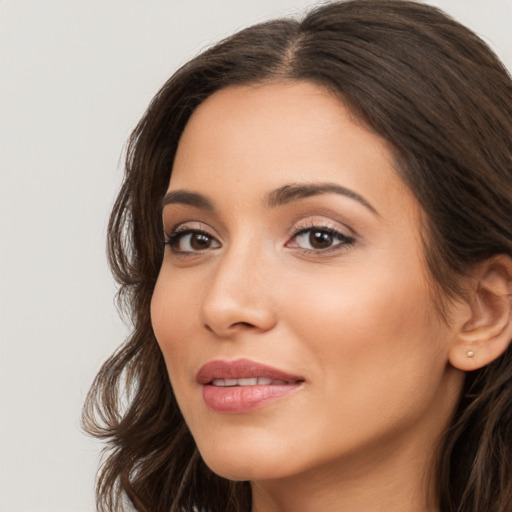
[484, 330]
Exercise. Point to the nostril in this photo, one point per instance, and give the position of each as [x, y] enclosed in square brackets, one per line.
[245, 325]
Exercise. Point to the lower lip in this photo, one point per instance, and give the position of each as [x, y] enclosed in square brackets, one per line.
[240, 399]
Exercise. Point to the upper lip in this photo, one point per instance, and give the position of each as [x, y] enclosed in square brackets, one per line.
[241, 369]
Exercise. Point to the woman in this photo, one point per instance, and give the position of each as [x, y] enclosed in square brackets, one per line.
[314, 242]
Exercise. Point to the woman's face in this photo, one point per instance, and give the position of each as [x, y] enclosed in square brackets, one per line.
[293, 306]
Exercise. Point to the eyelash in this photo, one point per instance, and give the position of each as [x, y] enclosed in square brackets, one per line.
[174, 238]
[346, 241]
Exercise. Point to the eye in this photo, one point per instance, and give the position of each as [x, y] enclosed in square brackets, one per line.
[320, 238]
[188, 240]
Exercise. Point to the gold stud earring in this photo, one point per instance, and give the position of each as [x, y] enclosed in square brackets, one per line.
[470, 353]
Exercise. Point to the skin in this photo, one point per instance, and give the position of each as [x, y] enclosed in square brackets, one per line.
[355, 319]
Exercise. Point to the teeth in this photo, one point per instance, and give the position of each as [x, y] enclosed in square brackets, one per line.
[253, 381]
[248, 382]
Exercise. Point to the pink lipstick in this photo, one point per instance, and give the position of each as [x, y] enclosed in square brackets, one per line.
[242, 385]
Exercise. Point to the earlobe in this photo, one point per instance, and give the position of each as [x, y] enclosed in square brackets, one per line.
[487, 333]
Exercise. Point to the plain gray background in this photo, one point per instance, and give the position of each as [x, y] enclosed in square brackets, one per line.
[75, 76]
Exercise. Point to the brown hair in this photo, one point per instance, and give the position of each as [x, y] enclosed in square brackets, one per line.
[443, 100]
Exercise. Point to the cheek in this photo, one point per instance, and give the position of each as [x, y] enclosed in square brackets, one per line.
[172, 313]
[368, 331]
[349, 305]
[173, 310]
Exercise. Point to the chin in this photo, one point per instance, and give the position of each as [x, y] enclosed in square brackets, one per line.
[249, 462]
[238, 469]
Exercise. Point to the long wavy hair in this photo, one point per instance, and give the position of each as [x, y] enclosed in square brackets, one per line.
[438, 94]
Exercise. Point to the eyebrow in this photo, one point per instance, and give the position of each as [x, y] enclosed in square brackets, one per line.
[295, 191]
[279, 197]
[186, 197]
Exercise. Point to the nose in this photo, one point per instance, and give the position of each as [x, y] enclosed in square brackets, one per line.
[239, 296]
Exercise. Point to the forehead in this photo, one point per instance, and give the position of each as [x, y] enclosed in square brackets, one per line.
[247, 140]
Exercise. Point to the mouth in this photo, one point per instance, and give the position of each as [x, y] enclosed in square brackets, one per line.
[252, 381]
[242, 385]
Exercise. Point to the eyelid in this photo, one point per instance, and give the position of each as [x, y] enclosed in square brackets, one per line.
[320, 224]
[180, 227]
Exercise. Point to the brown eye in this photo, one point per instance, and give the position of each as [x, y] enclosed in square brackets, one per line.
[199, 241]
[190, 241]
[320, 239]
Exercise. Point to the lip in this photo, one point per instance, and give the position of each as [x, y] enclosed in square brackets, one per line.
[244, 398]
